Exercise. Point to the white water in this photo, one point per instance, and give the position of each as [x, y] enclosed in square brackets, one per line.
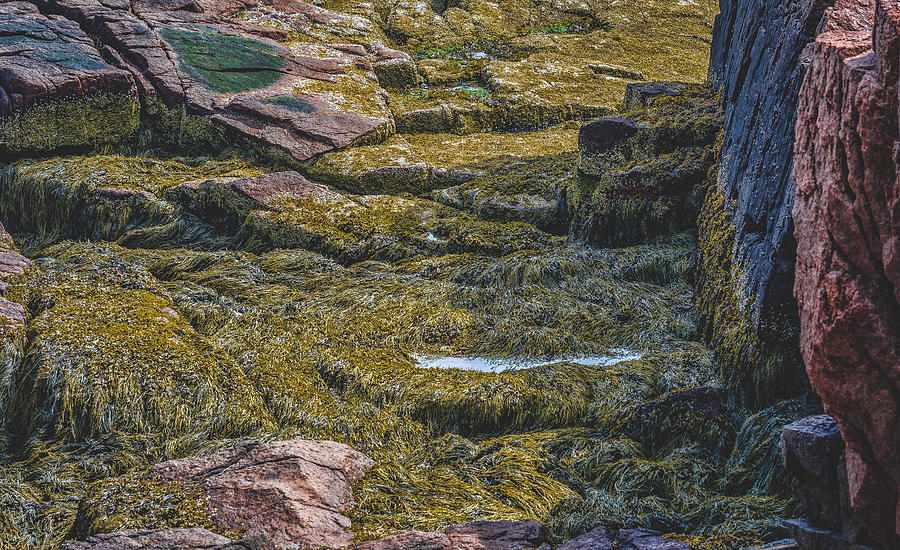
[488, 364]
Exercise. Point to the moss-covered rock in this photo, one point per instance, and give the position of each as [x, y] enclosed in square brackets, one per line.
[654, 182]
[110, 354]
[418, 163]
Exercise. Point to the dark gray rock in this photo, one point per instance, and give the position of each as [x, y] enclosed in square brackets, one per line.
[811, 451]
[644, 539]
[758, 64]
[598, 539]
[639, 95]
[605, 134]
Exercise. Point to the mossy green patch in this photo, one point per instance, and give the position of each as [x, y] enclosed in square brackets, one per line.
[227, 64]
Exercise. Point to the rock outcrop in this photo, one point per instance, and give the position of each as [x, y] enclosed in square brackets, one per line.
[847, 216]
[757, 63]
[56, 90]
[293, 492]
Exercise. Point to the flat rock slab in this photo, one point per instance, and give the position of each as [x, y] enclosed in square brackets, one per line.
[292, 492]
[479, 535]
[167, 539]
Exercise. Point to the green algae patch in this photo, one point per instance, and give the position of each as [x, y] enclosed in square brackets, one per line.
[418, 163]
[109, 354]
[83, 123]
[226, 64]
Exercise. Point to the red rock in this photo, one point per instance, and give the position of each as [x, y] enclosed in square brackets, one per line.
[167, 539]
[292, 492]
[847, 220]
[47, 59]
[479, 535]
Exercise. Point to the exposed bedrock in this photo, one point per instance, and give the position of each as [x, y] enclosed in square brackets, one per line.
[56, 90]
[847, 216]
[61, 89]
[759, 56]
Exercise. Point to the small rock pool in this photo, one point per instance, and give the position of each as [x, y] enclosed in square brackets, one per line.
[493, 364]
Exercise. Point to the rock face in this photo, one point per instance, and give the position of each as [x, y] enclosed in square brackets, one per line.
[757, 63]
[847, 216]
[168, 539]
[293, 492]
[192, 56]
[56, 90]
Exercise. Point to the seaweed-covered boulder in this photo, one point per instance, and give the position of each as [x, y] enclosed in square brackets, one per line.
[109, 353]
[642, 177]
[56, 89]
[479, 535]
[167, 539]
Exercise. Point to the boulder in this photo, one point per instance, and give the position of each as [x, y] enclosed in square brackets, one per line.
[811, 451]
[644, 539]
[293, 492]
[168, 539]
[847, 218]
[479, 535]
[56, 89]
[598, 539]
[604, 135]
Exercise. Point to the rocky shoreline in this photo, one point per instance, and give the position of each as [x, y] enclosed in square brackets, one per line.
[232, 229]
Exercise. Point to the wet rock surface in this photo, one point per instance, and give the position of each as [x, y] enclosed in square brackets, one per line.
[847, 282]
